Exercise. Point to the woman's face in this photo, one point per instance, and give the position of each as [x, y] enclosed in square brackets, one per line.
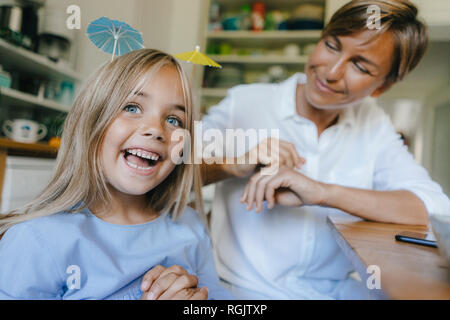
[137, 150]
[345, 69]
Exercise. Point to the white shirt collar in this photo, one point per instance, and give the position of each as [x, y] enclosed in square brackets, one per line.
[288, 90]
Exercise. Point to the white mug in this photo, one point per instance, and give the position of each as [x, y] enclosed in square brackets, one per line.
[23, 130]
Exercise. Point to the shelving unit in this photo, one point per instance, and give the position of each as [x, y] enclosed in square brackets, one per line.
[20, 59]
[9, 95]
[263, 59]
[15, 103]
[254, 35]
[269, 43]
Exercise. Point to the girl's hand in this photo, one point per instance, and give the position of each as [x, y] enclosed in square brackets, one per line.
[269, 152]
[191, 294]
[171, 283]
[287, 187]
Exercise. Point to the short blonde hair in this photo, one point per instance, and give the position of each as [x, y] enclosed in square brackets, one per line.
[78, 177]
[396, 16]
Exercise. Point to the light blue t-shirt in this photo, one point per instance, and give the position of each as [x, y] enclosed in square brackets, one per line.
[79, 256]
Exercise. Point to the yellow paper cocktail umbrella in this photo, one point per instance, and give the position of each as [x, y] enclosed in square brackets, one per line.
[197, 57]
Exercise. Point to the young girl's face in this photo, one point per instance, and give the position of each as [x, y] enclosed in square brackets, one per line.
[137, 148]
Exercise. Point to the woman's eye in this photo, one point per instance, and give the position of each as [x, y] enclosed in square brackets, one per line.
[361, 68]
[132, 108]
[329, 45]
[174, 121]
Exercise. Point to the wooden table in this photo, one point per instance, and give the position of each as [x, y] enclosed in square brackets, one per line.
[408, 271]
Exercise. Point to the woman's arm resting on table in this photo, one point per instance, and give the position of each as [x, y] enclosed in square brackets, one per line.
[399, 206]
[291, 188]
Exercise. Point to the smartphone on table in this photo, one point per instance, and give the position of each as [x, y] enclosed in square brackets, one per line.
[424, 239]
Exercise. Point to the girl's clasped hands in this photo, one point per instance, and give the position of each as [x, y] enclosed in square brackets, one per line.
[173, 283]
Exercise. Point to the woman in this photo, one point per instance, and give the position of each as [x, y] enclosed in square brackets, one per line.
[355, 161]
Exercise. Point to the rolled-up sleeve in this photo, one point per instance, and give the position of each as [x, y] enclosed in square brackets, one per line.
[396, 169]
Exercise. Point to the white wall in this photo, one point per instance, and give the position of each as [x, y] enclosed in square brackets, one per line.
[169, 25]
[87, 56]
[173, 26]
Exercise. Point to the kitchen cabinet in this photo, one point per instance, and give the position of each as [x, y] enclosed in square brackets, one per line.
[25, 169]
[24, 178]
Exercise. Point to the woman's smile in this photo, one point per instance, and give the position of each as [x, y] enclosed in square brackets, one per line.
[323, 88]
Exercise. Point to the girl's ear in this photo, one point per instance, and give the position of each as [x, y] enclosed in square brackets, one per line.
[383, 88]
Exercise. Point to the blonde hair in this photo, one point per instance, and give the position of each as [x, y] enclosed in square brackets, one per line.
[78, 180]
[397, 16]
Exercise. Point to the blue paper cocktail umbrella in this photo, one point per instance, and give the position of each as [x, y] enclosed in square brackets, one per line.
[114, 37]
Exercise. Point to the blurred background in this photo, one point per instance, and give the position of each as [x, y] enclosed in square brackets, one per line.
[43, 65]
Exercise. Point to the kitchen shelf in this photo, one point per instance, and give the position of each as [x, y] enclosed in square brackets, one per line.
[264, 38]
[20, 59]
[282, 34]
[260, 59]
[8, 95]
[30, 149]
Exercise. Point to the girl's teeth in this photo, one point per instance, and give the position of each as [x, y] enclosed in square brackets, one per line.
[131, 164]
[144, 155]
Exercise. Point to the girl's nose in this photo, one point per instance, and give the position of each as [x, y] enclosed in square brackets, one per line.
[153, 131]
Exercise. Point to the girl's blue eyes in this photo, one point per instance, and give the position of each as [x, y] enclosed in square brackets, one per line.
[132, 108]
[135, 109]
[174, 121]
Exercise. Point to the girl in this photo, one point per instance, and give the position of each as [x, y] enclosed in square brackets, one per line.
[116, 205]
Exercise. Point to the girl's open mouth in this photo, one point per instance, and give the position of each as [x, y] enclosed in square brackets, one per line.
[141, 160]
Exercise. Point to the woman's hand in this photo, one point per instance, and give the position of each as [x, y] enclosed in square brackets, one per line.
[173, 283]
[287, 187]
[269, 152]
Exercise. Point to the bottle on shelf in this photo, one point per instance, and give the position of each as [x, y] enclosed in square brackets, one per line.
[258, 16]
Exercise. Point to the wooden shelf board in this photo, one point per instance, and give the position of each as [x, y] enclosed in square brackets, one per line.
[260, 59]
[26, 61]
[287, 34]
[9, 144]
[8, 95]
